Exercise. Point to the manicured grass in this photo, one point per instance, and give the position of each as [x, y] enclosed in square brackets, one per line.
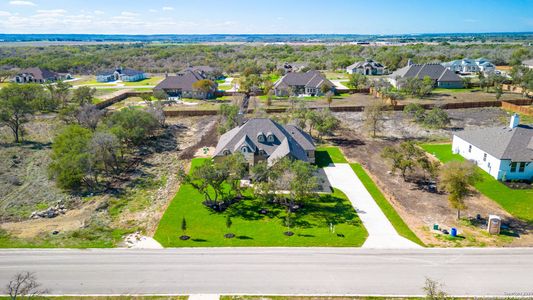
[311, 222]
[384, 204]
[328, 155]
[519, 203]
[444, 91]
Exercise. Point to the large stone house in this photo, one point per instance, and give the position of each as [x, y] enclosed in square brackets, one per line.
[441, 76]
[309, 83]
[123, 74]
[181, 86]
[38, 75]
[468, 66]
[263, 139]
[505, 152]
[366, 67]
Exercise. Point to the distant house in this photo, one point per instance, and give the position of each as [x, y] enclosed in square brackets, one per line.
[505, 152]
[207, 72]
[366, 67]
[123, 74]
[299, 83]
[181, 85]
[263, 139]
[38, 75]
[468, 66]
[528, 63]
[441, 76]
[292, 67]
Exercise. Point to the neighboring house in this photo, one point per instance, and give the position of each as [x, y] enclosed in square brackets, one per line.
[441, 76]
[505, 153]
[528, 63]
[367, 67]
[38, 75]
[299, 83]
[263, 139]
[181, 85]
[468, 66]
[207, 72]
[123, 74]
[292, 67]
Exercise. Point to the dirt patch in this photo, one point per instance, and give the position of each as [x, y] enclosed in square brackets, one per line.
[419, 208]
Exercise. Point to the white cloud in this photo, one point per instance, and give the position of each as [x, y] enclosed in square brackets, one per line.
[152, 10]
[128, 14]
[167, 8]
[98, 12]
[22, 3]
[4, 13]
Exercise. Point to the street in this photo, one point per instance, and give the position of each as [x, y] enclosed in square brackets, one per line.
[269, 271]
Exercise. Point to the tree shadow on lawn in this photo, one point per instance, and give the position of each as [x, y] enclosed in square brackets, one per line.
[322, 159]
[326, 210]
[250, 209]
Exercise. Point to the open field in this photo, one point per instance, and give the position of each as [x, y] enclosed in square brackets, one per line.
[517, 202]
[252, 228]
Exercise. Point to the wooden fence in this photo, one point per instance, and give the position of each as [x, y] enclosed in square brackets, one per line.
[119, 96]
[524, 109]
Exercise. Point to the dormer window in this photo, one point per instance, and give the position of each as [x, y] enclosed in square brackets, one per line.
[244, 149]
[270, 137]
[262, 152]
[226, 152]
[260, 137]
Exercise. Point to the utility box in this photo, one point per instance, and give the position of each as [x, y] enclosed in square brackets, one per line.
[494, 224]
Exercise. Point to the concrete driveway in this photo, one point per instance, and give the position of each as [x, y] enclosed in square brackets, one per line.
[381, 234]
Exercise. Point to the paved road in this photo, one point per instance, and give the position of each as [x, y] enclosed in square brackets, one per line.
[274, 270]
[381, 234]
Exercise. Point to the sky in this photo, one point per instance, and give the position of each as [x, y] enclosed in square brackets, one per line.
[264, 17]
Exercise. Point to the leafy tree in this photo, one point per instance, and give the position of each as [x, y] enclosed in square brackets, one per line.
[106, 153]
[208, 179]
[183, 226]
[6, 74]
[88, 116]
[237, 167]
[59, 92]
[230, 117]
[417, 87]
[83, 95]
[357, 81]
[436, 118]
[324, 122]
[71, 158]
[324, 89]
[17, 104]
[374, 117]
[329, 98]
[205, 86]
[132, 126]
[455, 178]
[416, 111]
[403, 157]
[228, 222]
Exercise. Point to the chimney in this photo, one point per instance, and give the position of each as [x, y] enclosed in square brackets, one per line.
[515, 121]
[166, 74]
[409, 62]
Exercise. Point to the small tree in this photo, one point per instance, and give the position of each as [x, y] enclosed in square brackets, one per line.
[184, 235]
[329, 98]
[455, 178]
[436, 118]
[84, 95]
[357, 81]
[434, 290]
[24, 285]
[17, 104]
[325, 89]
[228, 226]
[374, 117]
[415, 111]
[499, 91]
[208, 179]
[205, 86]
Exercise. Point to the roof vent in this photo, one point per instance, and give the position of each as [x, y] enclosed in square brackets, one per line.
[515, 121]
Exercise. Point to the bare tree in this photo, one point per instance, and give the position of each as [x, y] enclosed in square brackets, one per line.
[374, 117]
[88, 116]
[155, 108]
[434, 290]
[24, 285]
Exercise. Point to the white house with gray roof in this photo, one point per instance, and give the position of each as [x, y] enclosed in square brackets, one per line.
[441, 76]
[263, 139]
[366, 67]
[505, 153]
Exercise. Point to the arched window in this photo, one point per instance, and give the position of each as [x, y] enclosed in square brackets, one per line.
[270, 137]
[244, 149]
[226, 152]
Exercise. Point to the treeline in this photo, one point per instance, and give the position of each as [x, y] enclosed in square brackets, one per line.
[88, 59]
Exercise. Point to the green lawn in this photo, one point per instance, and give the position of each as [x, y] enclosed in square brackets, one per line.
[389, 211]
[311, 223]
[327, 155]
[519, 203]
[444, 91]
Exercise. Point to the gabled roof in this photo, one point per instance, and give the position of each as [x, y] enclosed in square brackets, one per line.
[39, 74]
[289, 140]
[312, 79]
[123, 71]
[365, 63]
[434, 70]
[502, 142]
[183, 81]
